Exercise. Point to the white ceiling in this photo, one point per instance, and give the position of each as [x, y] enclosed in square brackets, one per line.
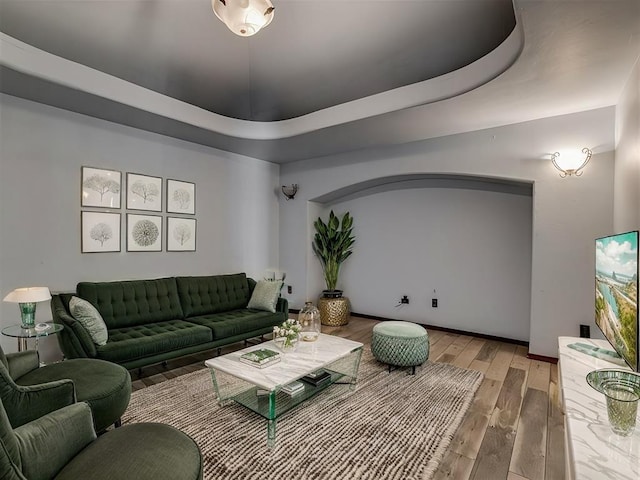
[324, 77]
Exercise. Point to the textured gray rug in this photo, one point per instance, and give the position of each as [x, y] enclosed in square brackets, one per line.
[394, 426]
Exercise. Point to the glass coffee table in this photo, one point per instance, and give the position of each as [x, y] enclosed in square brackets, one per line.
[260, 389]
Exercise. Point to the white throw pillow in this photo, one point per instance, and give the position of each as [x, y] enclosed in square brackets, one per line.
[90, 318]
[265, 295]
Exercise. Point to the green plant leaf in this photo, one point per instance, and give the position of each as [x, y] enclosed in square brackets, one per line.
[333, 244]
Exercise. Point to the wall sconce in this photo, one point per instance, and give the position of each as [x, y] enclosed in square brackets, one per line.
[290, 191]
[571, 162]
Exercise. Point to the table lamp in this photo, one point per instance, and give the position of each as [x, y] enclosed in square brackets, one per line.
[27, 298]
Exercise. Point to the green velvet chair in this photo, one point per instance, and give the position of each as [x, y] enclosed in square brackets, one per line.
[105, 386]
[60, 443]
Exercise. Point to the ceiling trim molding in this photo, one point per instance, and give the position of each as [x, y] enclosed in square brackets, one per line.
[29, 60]
[426, 180]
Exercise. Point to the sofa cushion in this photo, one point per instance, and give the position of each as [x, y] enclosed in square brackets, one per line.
[127, 344]
[134, 302]
[265, 296]
[213, 293]
[238, 322]
[89, 318]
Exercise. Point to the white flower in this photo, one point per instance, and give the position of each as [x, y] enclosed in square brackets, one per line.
[289, 330]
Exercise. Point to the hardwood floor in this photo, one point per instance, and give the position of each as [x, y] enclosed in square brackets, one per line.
[514, 428]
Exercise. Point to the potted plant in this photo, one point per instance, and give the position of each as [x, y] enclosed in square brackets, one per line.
[333, 244]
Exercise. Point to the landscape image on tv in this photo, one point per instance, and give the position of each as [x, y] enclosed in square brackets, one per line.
[617, 293]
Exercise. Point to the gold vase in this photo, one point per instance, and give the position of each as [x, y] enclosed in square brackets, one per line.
[334, 311]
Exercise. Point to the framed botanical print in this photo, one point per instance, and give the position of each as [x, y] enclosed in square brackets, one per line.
[144, 192]
[181, 197]
[100, 187]
[181, 234]
[100, 232]
[144, 233]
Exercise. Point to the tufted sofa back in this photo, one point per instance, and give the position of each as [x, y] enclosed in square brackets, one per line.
[133, 302]
[213, 294]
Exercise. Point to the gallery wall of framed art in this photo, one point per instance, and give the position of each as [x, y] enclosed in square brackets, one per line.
[101, 217]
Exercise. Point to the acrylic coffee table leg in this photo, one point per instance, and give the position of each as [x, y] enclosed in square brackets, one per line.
[271, 433]
[222, 390]
[271, 421]
[357, 356]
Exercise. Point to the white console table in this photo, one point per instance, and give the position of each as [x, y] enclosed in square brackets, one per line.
[593, 451]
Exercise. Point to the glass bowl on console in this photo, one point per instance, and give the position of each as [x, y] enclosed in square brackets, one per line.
[622, 392]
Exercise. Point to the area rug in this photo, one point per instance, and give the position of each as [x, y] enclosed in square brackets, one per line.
[393, 426]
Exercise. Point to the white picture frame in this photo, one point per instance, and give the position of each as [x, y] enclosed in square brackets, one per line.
[181, 197]
[100, 232]
[144, 192]
[144, 233]
[181, 234]
[100, 187]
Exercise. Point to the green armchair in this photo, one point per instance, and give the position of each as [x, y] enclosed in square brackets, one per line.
[105, 386]
[62, 445]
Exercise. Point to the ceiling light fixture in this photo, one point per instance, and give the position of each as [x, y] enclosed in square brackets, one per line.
[571, 162]
[244, 17]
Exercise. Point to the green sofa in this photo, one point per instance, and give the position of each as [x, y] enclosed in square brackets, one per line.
[151, 321]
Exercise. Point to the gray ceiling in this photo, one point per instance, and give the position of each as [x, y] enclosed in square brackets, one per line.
[316, 57]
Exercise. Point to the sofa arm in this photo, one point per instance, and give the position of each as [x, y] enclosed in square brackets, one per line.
[48, 443]
[282, 305]
[74, 339]
[26, 403]
[22, 363]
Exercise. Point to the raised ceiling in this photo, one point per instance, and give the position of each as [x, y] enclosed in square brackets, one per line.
[324, 77]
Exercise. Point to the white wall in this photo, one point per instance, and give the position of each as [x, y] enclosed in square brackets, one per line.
[41, 152]
[472, 247]
[627, 164]
[568, 214]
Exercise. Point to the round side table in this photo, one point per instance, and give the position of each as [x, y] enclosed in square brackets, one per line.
[22, 334]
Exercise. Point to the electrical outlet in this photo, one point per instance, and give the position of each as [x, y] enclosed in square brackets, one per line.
[434, 303]
[289, 289]
[404, 299]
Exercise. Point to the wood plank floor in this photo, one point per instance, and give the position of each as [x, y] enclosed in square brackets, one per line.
[514, 428]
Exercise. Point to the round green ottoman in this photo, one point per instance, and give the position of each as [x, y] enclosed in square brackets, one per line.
[105, 386]
[400, 344]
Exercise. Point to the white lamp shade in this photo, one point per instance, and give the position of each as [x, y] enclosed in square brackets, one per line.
[29, 295]
[570, 159]
[244, 17]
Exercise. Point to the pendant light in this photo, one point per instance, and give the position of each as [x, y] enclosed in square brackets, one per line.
[244, 17]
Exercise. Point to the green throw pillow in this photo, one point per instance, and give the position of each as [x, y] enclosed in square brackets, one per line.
[265, 295]
[89, 318]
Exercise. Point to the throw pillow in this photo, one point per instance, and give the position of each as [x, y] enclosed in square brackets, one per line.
[89, 318]
[265, 295]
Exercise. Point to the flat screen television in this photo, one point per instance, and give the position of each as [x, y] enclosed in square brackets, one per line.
[616, 293]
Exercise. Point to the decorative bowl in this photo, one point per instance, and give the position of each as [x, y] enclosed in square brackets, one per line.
[606, 378]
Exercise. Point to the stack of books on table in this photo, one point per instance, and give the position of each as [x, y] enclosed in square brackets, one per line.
[318, 378]
[260, 358]
[293, 388]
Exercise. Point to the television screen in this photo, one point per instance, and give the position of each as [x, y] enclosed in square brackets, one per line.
[617, 293]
